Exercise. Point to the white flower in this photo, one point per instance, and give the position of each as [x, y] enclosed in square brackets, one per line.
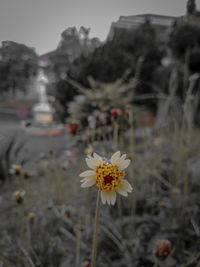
[107, 175]
[15, 169]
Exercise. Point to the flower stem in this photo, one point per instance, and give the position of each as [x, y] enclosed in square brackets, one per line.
[94, 246]
[115, 134]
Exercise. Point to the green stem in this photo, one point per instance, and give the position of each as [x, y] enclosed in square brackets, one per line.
[78, 242]
[115, 134]
[21, 230]
[94, 246]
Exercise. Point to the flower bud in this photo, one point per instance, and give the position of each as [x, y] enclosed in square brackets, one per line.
[26, 175]
[89, 150]
[16, 169]
[126, 113]
[86, 264]
[115, 112]
[31, 217]
[18, 196]
[68, 213]
[51, 152]
[72, 128]
[163, 249]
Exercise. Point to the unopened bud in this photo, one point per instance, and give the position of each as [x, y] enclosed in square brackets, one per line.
[163, 249]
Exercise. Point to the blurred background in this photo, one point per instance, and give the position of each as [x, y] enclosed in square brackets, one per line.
[78, 78]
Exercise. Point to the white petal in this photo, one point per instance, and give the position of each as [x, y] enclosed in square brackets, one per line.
[96, 162]
[127, 186]
[98, 158]
[85, 179]
[123, 157]
[124, 188]
[115, 157]
[89, 182]
[121, 191]
[87, 173]
[108, 197]
[103, 197]
[113, 197]
[123, 164]
[120, 160]
[90, 163]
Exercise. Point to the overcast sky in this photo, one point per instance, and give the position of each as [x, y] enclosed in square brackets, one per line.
[39, 23]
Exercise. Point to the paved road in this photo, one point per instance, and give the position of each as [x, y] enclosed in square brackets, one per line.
[26, 147]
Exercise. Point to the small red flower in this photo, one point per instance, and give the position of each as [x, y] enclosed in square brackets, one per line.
[115, 112]
[31, 217]
[72, 127]
[163, 249]
[128, 107]
[126, 113]
[63, 167]
[86, 264]
[26, 175]
[51, 152]
[68, 213]
[69, 161]
[101, 105]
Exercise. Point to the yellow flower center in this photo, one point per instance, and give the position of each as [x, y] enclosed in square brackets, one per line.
[108, 177]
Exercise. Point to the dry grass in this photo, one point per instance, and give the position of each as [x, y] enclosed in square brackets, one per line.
[164, 204]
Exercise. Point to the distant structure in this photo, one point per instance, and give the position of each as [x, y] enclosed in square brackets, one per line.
[43, 112]
[44, 59]
[73, 42]
[162, 24]
[193, 15]
[191, 7]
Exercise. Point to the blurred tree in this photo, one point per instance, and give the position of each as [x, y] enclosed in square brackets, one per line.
[105, 64]
[110, 61]
[147, 47]
[18, 63]
[69, 48]
[72, 46]
[191, 7]
[194, 61]
[136, 50]
[84, 33]
[77, 57]
[183, 38]
[65, 62]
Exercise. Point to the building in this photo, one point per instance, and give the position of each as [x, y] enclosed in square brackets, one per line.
[161, 23]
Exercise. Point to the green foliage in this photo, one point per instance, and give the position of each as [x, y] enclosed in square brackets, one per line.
[106, 64]
[109, 61]
[194, 61]
[134, 50]
[191, 6]
[100, 99]
[64, 93]
[184, 37]
[18, 64]
[68, 49]
[73, 45]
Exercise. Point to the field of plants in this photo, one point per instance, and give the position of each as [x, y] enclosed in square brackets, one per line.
[50, 218]
[119, 187]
